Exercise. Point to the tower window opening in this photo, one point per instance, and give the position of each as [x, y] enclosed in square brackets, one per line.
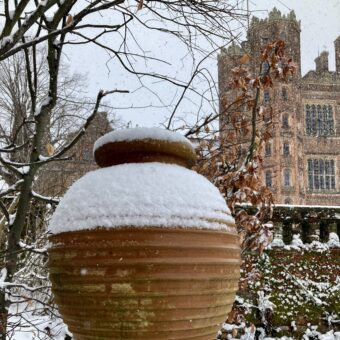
[269, 182]
[286, 178]
[286, 149]
[268, 149]
[283, 35]
[266, 97]
[87, 154]
[285, 121]
[265, 67]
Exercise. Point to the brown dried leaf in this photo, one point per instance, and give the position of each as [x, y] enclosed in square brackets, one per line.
[252, 328]
[234, 333]
[245, 59]
[140, 5]
[69, 20]
[50, 149]
[232, 316]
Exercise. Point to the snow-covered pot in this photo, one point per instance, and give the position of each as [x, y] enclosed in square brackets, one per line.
[146, 249]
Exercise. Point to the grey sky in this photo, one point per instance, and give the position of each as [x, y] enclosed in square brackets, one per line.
[320, 24]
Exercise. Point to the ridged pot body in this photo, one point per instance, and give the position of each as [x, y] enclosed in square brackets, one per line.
[144, 283]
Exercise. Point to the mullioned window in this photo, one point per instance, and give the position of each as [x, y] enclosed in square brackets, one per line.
[321, 174]
[319, 120]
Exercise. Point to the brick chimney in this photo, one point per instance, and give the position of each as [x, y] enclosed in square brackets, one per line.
[337, 54]
[321, 62]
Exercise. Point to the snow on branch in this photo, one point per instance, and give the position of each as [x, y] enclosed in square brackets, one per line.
[46, 199]
[10, 167]
[31, 248]
[4, 285]
[3, 276]
[11, 189]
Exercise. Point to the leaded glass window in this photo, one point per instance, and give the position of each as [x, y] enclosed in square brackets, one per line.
[286, 149]
[87, 154]
[269, 179]
[310, 173]
[321, 174]
[285, 122]
[265, 67]
[266, 96]
[308, 120]
[319, 120]
[286, 177]
[284, 94]
[268, 149]
[330, 121]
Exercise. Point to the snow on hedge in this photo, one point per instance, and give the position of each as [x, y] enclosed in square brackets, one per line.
[144, 195]
[140, 134]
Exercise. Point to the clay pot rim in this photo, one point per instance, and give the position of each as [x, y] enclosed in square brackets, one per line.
[127, 229]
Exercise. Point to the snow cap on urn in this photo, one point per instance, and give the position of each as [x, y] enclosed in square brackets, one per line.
[146, 190]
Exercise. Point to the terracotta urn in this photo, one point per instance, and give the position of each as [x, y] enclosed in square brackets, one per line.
[143, 248]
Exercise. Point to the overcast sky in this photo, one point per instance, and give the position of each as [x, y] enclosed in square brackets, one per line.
[320, 25]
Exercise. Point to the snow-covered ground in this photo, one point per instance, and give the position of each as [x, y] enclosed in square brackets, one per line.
[46, 329]
[248, 333]
[43, 329]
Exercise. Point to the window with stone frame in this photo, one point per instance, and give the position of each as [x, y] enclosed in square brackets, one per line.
[288, 201]
[286, 178]
[285, 121]
[319, 120]
[266, 97]
[286, 149]
[264, 40]
[87, 154]
[268, 149]
[321, 174]
[269, 180]
[284, 94]
[265, 67]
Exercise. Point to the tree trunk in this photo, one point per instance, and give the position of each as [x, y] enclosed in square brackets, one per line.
[13, 248]
[3, 315]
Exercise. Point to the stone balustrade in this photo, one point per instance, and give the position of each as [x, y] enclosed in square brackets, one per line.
[312, 222]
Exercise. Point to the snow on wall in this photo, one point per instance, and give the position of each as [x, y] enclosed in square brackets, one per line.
[298, 245]
[143, 194]
[139, 134]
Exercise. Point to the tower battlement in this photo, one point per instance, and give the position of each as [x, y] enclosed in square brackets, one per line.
[275, 15]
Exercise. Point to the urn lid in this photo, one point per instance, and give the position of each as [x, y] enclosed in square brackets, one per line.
[141, 145]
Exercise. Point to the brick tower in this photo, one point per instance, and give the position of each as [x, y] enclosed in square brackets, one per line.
[281, 165]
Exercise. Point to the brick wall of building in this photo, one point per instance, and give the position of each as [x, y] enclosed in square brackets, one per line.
[320, 88]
